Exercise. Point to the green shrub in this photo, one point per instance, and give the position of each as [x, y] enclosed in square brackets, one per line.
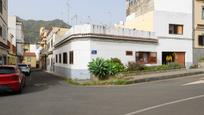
[133, 66]
[174, 65]
[168, 66]
[104, 68]
[115, 66]
[116, 60]
[99, 68]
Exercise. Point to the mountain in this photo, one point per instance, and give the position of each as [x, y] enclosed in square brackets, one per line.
[32, 28]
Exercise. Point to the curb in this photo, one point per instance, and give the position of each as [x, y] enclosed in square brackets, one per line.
[164, 77]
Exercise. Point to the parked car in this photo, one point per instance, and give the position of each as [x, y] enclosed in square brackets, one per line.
[25, 69]
[11, 79]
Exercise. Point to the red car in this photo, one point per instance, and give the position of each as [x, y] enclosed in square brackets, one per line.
[11, 79]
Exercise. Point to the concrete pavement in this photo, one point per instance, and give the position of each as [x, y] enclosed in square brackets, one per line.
[47, 94]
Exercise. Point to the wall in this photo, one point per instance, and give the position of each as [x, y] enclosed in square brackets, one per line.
[177, 6]
[198, 21]
[32, 62]
[162, 19]
[12, 28]
[143, 22]
[79, 69]
[4, 21]
[117, 49]
[174, 45]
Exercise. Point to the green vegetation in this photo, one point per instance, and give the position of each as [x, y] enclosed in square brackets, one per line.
[113, 72]
[132, 66]
[103, 69]
[32, 28]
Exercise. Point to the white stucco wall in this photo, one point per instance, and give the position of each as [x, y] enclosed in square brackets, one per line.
[12, 28]
[162, 19]
[81, 49]
[182, 6]
[117, 49]
[176, 45]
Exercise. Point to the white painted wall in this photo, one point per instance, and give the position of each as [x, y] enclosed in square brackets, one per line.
[117, 49]
[182, 6]
[162, 19]
[12, 28]
[81, 50]
[16, 30]
[176, 45]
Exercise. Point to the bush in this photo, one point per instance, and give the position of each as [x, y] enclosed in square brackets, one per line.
[99, 68]
[104, 68]
[168, 66]
[174, 65]
[115, 67]
[133, 66]
[116, 60]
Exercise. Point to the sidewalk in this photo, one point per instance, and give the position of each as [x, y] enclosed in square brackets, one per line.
[165, 75]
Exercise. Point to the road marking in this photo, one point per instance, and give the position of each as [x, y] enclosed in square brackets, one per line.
[194, 83]
[165, 104]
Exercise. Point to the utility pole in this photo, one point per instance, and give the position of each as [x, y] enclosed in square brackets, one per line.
[75, 17]
[68, 11]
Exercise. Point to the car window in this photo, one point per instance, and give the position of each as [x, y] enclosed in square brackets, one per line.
[7, 70]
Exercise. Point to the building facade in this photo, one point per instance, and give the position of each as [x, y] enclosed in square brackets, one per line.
[15, 27]
[30, 59]
[171, 23]
[3, 31]
[198, 30]
[82, 43]
[43, 48]
[54, 33]
[12, 50]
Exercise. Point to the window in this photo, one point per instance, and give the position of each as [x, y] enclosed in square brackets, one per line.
[71, 57]
[175, 29]
[201, 40]
[202, 13]
[28, 59]
[1, 6]
[4, 33]
[65, 58]
[52, 43]
[129, 53]
[60, 58]
[146, 57]
[56, 58]
[7, 70]
[1, 33]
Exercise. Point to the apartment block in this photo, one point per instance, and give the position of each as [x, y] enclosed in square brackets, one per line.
[15, 27]
[3, 31]
[171, 20]
[198, 30]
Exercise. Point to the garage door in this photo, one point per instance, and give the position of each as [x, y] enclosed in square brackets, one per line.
[180, 58]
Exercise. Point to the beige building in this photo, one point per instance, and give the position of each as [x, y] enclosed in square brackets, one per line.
[198, 30]
[3, 31]
[30, 59]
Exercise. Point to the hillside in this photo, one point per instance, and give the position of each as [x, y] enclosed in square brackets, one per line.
[32, 27]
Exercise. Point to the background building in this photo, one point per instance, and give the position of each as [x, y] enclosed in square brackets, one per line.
[171, 20]
[3, 31]
[12, 50]
[54, 33]
[30, 59]
[15, 27]
[198, 30]
[82, 43]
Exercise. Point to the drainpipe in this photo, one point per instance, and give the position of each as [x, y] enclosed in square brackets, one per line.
[193, 27]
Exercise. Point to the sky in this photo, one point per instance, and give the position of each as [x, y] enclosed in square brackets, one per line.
[72, 11]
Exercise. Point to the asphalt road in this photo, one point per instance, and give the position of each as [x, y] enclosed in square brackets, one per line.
[46, 94]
